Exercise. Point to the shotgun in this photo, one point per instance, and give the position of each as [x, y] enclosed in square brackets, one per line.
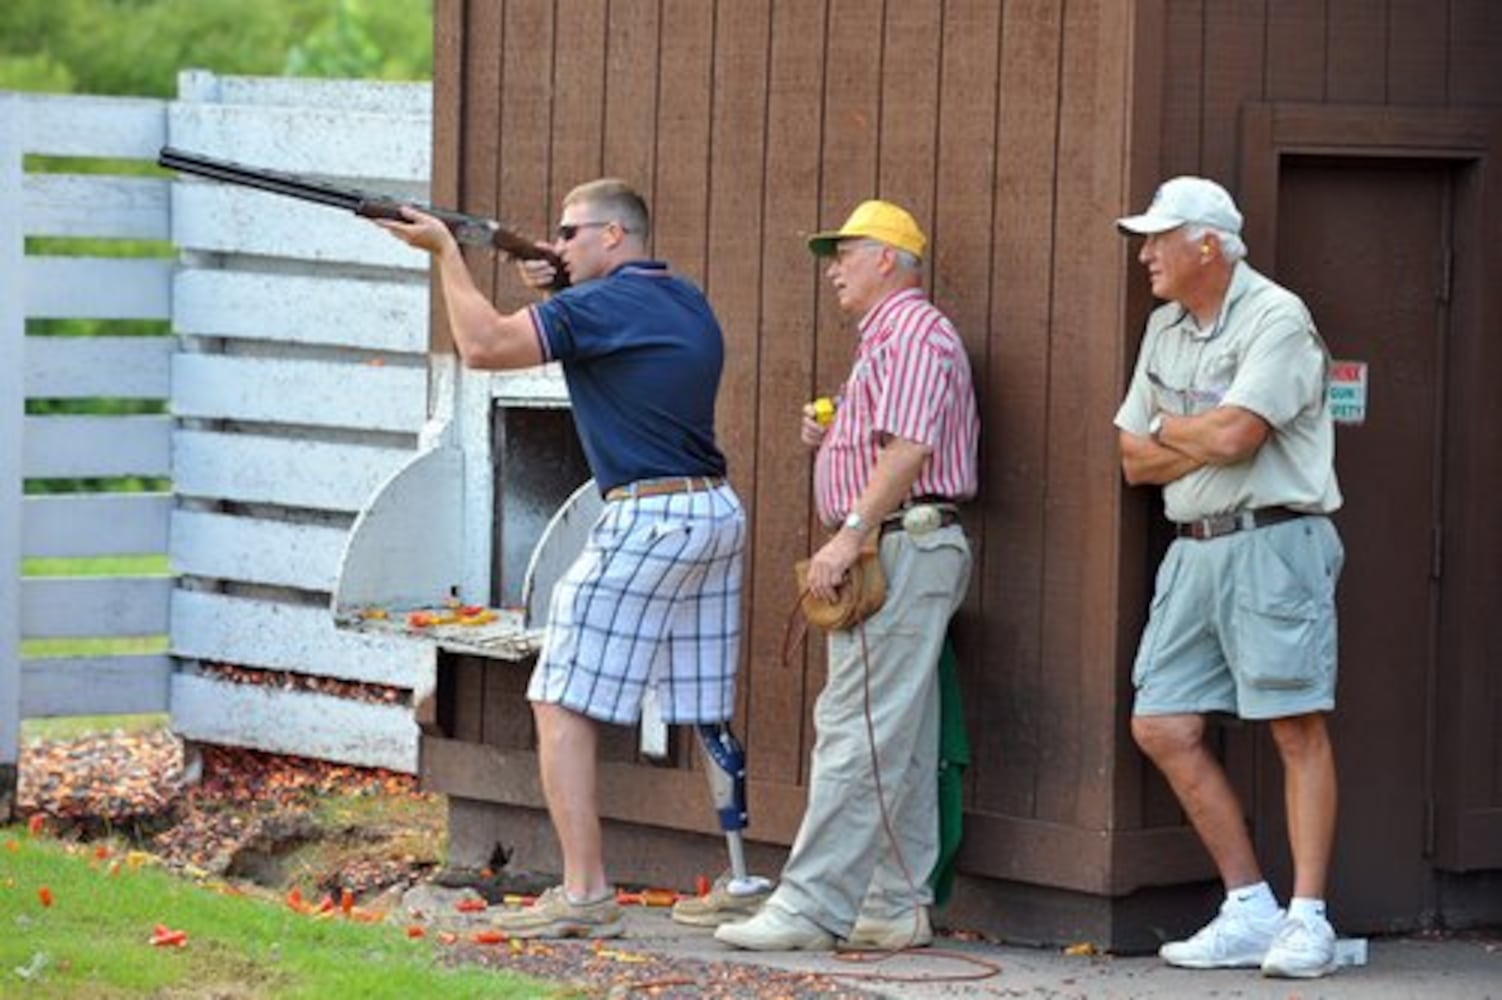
[474, 230]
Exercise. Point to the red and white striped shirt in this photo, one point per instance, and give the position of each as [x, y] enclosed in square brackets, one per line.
[911, 380]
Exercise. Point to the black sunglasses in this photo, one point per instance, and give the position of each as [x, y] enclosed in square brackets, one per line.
[569, 230]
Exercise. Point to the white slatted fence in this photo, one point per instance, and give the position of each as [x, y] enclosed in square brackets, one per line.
[90, 284]
[297, 382]
[301, 384]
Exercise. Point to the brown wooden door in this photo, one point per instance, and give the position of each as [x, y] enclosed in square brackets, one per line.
[1365, 242]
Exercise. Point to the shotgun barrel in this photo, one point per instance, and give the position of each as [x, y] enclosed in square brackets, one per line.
[475, 230]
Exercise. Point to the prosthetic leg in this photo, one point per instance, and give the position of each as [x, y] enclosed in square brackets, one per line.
[727, 791]
[736, 894]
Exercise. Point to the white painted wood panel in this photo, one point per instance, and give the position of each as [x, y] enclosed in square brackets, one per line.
[314, 393]
[303, 309]
[86, 367]
[406, 549]
[255, 551]
[539, 387]
[97, 288]
[114, 127]
[95, 205]
[286, 471]
[67, 525]
[217, 217]
[299, 638]
[12, 436]
[334, 142]
[294, 722]
[105, 685]
[347, 95]
[77, 447]
[73, 607]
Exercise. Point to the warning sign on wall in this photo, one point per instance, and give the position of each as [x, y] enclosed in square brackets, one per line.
[1347, 394]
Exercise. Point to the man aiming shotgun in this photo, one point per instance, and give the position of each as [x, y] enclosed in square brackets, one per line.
[653, 601]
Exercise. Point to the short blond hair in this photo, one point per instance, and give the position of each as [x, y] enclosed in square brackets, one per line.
[619, 200]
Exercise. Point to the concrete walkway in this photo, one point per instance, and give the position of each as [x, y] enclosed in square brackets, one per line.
[1462, 967]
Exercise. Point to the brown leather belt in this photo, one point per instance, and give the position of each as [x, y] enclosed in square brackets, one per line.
[1228, 524]
[665, 486]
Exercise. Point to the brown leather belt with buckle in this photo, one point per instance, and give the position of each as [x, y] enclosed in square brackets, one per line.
[665, 486]
[1228, 524]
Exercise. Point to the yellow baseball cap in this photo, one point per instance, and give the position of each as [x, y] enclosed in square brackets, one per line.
[876, 220]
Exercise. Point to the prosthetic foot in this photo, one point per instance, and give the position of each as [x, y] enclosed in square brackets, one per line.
[736, 894]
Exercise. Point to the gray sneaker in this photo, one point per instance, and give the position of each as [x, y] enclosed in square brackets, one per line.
[554, 915]
[722, 904]
[1233, 940]
[1302, 949]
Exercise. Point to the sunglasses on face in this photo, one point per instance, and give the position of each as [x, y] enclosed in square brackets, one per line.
[568, 230]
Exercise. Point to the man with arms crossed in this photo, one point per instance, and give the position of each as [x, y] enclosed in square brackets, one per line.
[1226, 411]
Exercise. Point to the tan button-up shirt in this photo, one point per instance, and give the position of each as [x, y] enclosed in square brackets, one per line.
[1263, 355]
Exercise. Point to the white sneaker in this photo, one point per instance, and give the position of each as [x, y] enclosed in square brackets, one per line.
[1302, 949]
[1233, 940]
[776, 929]
[911, 930]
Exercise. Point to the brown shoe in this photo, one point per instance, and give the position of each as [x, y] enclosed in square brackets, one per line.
[720, 905]
[554, 915]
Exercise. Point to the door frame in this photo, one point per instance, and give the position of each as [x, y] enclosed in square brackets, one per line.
[1465, 826]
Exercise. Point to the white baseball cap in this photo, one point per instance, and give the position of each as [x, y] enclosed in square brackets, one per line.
[1185, 200]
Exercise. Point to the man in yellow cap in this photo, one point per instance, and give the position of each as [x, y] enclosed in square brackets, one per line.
[891, 465]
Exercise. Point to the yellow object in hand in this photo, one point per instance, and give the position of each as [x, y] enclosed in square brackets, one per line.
[823, 411]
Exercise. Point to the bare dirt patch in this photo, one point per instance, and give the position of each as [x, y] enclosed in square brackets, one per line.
[273, 820]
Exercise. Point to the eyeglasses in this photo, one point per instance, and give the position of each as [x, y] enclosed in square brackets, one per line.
[569, 230]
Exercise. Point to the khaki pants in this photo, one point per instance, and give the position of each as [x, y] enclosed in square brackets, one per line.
[842, 863]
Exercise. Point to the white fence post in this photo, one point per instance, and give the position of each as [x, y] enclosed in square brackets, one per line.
[12, 410]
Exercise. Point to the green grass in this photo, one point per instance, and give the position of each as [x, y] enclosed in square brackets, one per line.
[125, 645]
[143, 565]
[94, 940]
[75, 726]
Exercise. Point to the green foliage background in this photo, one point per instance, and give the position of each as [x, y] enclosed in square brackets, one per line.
[138, 46]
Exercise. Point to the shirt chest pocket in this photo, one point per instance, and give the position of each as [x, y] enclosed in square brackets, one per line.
[1216, 373]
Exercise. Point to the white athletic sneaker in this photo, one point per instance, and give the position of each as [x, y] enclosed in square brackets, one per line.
[1302, 949]
[1233, 940]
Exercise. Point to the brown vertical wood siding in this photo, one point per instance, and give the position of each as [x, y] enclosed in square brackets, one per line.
[1016, 130]
[749, 124]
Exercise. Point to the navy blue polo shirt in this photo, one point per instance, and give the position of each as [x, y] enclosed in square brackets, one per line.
[642, 354]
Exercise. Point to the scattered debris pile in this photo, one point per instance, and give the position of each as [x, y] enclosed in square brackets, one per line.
[247, 810]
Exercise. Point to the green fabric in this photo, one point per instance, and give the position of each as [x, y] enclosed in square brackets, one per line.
[954, 757]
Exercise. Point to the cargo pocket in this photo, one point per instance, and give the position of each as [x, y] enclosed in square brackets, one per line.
[1163, 582]
[1282, 595]
[948, 573]
[926, 577]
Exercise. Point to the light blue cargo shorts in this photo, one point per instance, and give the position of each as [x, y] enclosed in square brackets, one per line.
[1244, 623]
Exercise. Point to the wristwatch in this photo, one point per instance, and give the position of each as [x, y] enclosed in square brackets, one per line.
[1155, 426]
[854, 522]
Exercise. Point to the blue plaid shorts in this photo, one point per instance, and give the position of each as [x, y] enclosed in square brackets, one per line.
[654, 600]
